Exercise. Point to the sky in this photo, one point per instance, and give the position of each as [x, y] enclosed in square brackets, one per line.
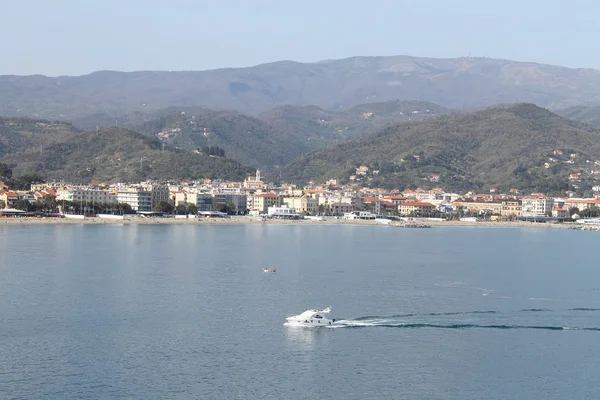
[76, 37]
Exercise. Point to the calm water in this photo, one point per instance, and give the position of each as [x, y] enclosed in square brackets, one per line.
[185, 312]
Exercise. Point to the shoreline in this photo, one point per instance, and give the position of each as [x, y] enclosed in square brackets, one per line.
[252, 221]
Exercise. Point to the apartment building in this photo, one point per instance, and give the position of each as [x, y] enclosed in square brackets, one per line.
[137, 197]
[416, 208]
[511, 208]
[262, 202]
[202, 201]
[240, 201]
[304, 204]
[537, 206]
[159, 192]
[86, 195]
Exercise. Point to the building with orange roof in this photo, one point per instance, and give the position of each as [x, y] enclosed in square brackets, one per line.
[397, 200]
[261, 202]
[9, 198]
[416, 208]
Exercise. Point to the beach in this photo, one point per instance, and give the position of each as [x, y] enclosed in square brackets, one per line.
[242, 220]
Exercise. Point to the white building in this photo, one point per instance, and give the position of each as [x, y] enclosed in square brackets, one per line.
[359, 215]
[537, 206]
[282, 212]
[86, 195]
[138, 198]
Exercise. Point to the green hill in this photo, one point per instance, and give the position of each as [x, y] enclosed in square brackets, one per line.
[244, 138]
[17, 134]
[322, 126]
[503, 147]
[112, 154]
[272, 138]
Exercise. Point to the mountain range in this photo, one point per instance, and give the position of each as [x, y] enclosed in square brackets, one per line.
[272, 138]
[410, 121]
[458, 83]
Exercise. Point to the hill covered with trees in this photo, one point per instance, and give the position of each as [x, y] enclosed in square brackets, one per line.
[327, 127]
[109, 155]
[519, 146]
[273, 138]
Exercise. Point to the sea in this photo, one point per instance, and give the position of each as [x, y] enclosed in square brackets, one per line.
[186, 312]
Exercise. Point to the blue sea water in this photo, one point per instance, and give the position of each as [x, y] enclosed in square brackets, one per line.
[185, 312]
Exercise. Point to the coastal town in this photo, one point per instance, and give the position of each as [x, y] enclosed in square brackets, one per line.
[254, 197]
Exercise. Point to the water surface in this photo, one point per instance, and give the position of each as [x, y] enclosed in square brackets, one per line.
[161, 312]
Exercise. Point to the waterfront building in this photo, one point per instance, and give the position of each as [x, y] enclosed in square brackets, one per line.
[137, 197]
[283, 212]
[86, 195]
[202, 201]
[537, 206]
[239, 201]
[416, 208]
[262, 202]
[304, 204]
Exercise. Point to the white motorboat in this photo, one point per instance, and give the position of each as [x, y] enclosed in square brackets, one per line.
[269, 270]
[311, 318]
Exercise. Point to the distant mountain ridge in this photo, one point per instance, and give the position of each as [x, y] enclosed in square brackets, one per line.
[458, 83]
[590, 115]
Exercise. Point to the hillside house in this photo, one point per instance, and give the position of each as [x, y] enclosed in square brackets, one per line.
[362, 170]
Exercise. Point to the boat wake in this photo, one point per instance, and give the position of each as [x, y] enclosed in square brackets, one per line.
[489, 320]
[359, 324]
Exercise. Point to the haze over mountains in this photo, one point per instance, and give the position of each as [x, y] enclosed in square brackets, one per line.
[459, 83]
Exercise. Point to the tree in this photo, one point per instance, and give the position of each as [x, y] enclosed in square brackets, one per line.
[181, 209]
[164, 207]
[228, 208]
[49, 204]
[5, 172]
[2, 205]
[24, 205]
[24, 182]
[192, 209]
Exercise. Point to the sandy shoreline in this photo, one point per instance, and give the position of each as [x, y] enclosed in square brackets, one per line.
[252, 221]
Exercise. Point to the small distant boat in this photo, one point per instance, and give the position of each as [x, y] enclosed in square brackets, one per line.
[269, 269]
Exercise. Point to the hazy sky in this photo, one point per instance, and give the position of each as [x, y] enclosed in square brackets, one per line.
[74, 37]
